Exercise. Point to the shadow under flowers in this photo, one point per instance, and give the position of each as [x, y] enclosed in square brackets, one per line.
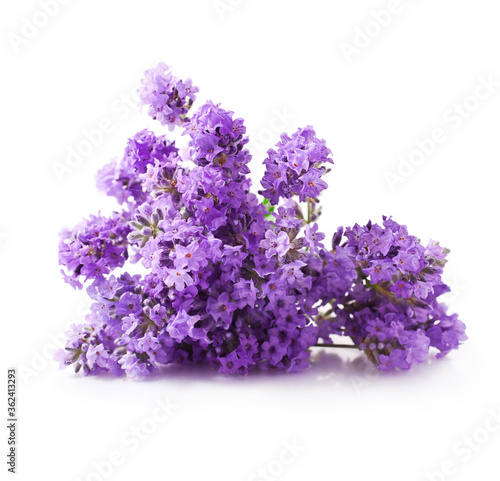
[337, 367]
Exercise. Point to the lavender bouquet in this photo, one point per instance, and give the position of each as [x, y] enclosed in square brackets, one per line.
[235, 280]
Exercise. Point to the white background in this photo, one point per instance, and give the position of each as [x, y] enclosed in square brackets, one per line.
[257, 58]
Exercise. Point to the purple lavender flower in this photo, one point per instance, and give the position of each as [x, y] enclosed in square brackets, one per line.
[221, 308]
[94, 248]
[169, 99]
[179, 278]
[296, 167]
[97, 355]
[275, 243]
[392, 309]
[233, 280]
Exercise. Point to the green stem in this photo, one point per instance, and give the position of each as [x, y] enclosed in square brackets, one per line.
[381, 290]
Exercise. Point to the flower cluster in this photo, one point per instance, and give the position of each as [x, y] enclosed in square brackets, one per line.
[120, 179]
[169, 99]
[296, 167]
[232, 280]
[388, 256]
[94, 248]
[391, 310]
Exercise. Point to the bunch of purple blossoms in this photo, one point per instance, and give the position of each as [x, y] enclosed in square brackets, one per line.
[169, 99]
[230, 280]
[391, 309]
[121, 179]
[94, 248]
[296, 167]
